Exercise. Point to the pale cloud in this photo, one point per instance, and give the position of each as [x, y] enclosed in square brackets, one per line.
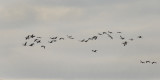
[57, 13]
[69, 60]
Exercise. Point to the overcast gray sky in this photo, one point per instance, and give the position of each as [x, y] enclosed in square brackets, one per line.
[70, 59]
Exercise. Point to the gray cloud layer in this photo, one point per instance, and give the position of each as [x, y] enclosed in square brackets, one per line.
[70, 60]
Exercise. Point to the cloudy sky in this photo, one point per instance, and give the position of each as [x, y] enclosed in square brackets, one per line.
[70, 59]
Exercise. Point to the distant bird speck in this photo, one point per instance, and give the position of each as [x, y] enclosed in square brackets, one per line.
[139, 36]
[25, 44]
[94, 50]
[43, 46]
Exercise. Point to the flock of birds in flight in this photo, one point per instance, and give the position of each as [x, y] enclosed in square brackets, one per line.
[37, 40]
[148, 62]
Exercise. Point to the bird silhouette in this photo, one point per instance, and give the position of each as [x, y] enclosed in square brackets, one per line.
[31, 44]
[94, 37]
[110, 36]
[82, 40]
[39, 41]
[131, 39]
[122, 37]
[70, 37]
[154, 62]
[27, 37]
[94, 50]
[119, 32]
[110, 32]
[89, 38]
[25, 44]
[139, 36]
[39, 37]
[43, 46]
[50, 41]
[54, 40]
[61, 38]
[99, 34]
[53, 37]
[147, 61]
[35, 40]
[32, 36]
[104, 32]
[125, 43]
[86, 41]
[142, 62]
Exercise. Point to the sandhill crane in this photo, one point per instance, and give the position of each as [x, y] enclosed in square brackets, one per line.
[61, 38]
[147, 61]
[125, 43]
[25, 44]
[43, 46]
[119, 32]
[139, 36]
[39, 41]
[131, 39]
[110, 36]
[27, 37]
[94, 50]
[32, 36]
[142, 62]
[94, 37]
[104, 32]
[122, 37]
[110, 32]
[53, 37]
[154, 62]
[35, 40]
[31, 44]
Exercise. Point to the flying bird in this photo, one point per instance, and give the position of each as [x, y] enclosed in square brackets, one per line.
[131, 39]
[125, 43]
[89, 38]
[139, 36]
[122, 37]
[39, 37]
[39, 41]
[43, 46]
[31, 44]
[70, 37]
[147, 61]
[54, 40]
[110, 36]
[94, 50]
[109, 32]
[104, 32]
[82, 40]
[50, 41]
[154, 62]
[141, 62]
[119, 32]
[99, 34]
[61, 38]
[27, 37]
[32, 36]
[94, 37]
[53, 37]
[86, 41]
[35, 40]
[25, 44]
